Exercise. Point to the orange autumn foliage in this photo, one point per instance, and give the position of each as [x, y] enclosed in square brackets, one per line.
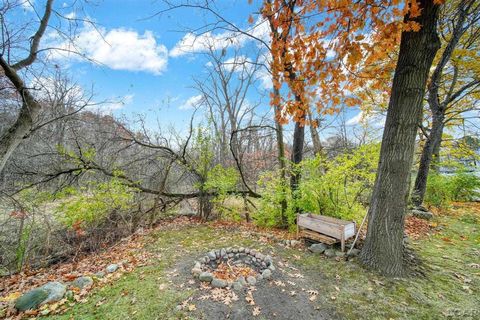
[330, 53]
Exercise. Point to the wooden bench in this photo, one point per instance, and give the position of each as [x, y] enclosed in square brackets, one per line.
[324, 229]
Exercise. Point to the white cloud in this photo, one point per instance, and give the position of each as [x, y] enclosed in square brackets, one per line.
[191, 102]
[118, 49]
[191, 43]
[375, 120]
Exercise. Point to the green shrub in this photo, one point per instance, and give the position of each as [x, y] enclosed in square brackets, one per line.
[90, 206]
[274, 192]
[341, 187]
[338, 188]
[442, 188]
[438, 193]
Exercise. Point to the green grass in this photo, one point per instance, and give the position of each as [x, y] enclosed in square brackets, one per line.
[450, 290]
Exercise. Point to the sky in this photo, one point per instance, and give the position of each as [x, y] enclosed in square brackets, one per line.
[144, 60]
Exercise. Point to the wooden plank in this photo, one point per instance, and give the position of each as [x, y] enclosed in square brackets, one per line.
[327, 218]
[317, 236]
[324, 227]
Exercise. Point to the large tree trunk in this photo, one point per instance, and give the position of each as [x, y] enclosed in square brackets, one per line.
[432, 145]
[433, 141]
[383, 248]
[23, 124]
[282, 162]
[297, 153]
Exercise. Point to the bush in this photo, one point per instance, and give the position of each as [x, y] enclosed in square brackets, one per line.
[338, 188]
[442, 188]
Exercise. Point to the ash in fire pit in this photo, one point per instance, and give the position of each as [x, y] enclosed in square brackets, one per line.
[233, 267]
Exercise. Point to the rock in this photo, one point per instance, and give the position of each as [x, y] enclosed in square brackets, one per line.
[100, 274]
[56, 291]
[205, 277]
[340, 254]
[196, 271]
[329, 253]
[211, 255]
[247, 251]
[112, 268]
[267, 274]
[426, 215]
[271, 267]
[259, 277]
[218, 283]
[354, 252]
[223, 252]
[242, 281]
[294, 243]
[260, 256]
[251, 280]
[241, 249]
[230, 255]
[197, 265]
[217, 253]
[82, 282]
[235, 250]
[318, 247]
[237, 286]
[31, 300]
[268, 259]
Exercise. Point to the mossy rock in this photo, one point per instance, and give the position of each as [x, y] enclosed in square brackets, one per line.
[31, 299]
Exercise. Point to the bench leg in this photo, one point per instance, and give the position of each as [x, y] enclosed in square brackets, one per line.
[342, 239]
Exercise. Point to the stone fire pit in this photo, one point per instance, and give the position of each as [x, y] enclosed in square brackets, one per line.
[233, 267]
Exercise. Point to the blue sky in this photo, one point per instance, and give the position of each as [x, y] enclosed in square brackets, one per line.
[142, 59]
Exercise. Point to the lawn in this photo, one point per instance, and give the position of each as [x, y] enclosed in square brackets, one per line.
[305, 285]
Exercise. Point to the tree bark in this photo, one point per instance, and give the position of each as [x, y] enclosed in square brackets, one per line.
[383, 248]
[30, 107]
[432, 142]
[438, 109]
[281, 160]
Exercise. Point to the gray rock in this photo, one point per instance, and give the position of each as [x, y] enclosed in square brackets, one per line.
[82, 282]
[259, 277]
[217, 253]
[111, 268]
[271, 267]
[218, 283]
[241, 249]
[268, 259]
[100, 274]
[197, 265]
[205, 277]
[242, 281]
[56, 291]
[223, 252]
[251, 280]
[260, 256]
[426, 215]
[267, 274]
[196, 271]
[211, 255]
[229, 250]
[230, 255]
[318, 247]
[31, 300]
[235, 250]
[329, 253]
[294, 243]
[340, 254]
[237, 286]
[247, 250]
